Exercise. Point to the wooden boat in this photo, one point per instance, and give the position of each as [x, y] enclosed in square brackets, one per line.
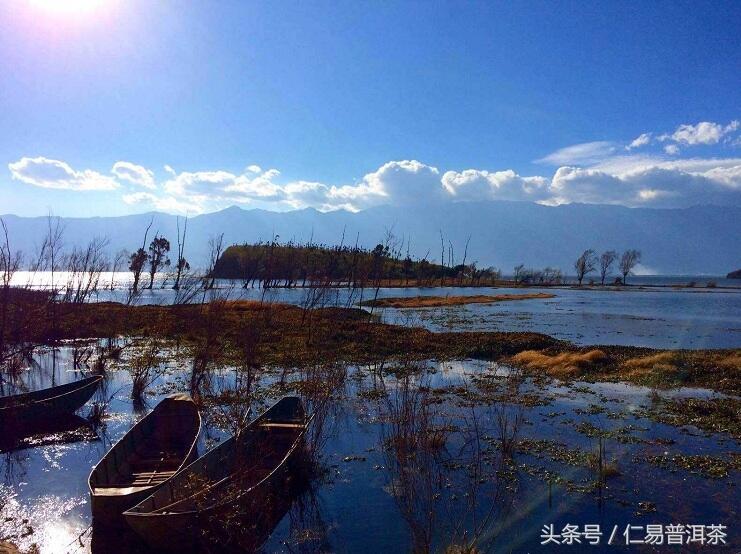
[157, 447]
[232, 482]
[22, 409]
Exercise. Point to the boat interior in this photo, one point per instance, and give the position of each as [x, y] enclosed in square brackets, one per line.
[233, 467]
[151, 455]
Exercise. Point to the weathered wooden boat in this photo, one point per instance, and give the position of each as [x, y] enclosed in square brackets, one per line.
[23, 409]
[236, 481]
[155, 449]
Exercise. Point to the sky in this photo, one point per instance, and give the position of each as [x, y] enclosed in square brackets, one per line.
[112, 107]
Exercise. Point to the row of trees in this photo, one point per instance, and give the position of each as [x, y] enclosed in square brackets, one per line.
[530, 276]
[588, 262]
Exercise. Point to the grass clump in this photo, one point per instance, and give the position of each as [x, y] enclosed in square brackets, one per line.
[565, 364]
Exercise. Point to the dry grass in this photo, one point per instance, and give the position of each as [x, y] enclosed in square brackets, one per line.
[565, 364]
[668, 364]
[665, 362]
[731, 361]
[440, 301]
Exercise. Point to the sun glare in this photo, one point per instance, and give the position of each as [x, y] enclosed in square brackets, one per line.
[67, 6]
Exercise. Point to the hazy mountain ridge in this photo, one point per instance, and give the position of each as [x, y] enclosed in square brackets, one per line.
[697, 240]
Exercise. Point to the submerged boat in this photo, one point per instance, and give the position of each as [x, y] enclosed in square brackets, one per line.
[155, 449]
[23, 409]
[238, 481]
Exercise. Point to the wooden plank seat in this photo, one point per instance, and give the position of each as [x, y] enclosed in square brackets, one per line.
[282, 425]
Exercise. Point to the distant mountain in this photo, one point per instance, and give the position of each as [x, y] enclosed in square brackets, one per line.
[697, 240]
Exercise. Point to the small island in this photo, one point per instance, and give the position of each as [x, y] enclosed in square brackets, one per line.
[734, 274]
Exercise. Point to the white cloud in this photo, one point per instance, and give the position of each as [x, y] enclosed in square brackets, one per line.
[399, 182]
[580, 154]
[628, 180]
[671, 149]
[473, 184]
[662, 187]
[134, 174]
[55, 174]
[688, 135]
[641, 140]
[705, 132]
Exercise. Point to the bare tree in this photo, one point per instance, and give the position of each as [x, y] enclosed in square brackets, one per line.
[52, 246]
[181, 264]
[585, 264]
[605, 262]
[9, 263]
[118, 261]
[519, 273]
[628, 261]
[158, 249]
[50, 256]
[215, 246]
[84, 269]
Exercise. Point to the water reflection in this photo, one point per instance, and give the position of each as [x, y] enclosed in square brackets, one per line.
[449, 486]
[62, 429]
[401, 456]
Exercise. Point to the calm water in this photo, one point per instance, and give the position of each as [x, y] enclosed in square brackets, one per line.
[371, 497]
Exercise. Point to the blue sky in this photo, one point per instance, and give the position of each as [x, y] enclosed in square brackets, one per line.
[356, 104]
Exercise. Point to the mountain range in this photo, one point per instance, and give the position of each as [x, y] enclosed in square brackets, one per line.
[689, 241]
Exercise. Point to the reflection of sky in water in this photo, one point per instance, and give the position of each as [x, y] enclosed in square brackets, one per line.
[351, 507]
[655, 318]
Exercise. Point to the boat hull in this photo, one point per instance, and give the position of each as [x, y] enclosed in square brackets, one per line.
[240, 501]
[34, 407]
[239, 526]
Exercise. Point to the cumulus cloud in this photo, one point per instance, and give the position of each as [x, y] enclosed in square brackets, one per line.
[55, 174]
[473, 184]
[687, 135]
[641, 140]
[705, 132]
[671, 149]
[627, 179]
[134, 174]
[664, 187]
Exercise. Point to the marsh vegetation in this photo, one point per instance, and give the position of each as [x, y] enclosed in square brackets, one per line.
[456, 441]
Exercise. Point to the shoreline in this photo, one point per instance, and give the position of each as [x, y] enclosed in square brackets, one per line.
[290, 336]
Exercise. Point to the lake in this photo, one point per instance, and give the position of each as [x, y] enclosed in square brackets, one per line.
[501, 457]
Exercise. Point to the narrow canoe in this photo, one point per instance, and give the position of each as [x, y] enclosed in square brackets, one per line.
[233, 481]
[22, 409]
[157, 447]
